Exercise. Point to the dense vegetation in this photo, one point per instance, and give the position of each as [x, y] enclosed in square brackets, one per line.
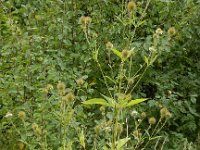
[99, 74]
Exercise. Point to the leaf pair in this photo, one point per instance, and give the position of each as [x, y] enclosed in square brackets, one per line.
[109, 102]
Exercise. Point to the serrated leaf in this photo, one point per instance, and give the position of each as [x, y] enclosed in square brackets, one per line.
[96, 101]
[136, 101]
[118, 53]
[122, 142]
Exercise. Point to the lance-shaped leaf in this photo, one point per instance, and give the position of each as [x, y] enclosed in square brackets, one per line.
[136, 101]
[96, 101]
[121, 143]
[118, 53]
[110, 100]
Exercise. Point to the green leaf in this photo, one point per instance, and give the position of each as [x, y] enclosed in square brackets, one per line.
[146, 60]
[111, 101]
[96, 101]
[153, 59]
[136, 101]
[118, 53]
[122, 142]
[156, 137]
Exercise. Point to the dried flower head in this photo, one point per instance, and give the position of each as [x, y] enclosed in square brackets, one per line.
[80, 81]
[159, 31]
[131, 6]
[61, 88]
[49, 87]
[171, 31]
[85, 20]
[125, 54]
[109, 45]
[152, 120]
[21, 115]
[68, 98]
[143, 115]
[134, 113]
[34, 126]
[88, 19]
[164, 113]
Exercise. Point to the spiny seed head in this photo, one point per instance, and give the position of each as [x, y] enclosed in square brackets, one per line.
[21, 115]
[80, 81]
[85, 20]
[152, 120]
[109, 45]
[125, 54]
[49, 87]
[159, 31]
[143, 115]
[164, 113]
[131, 6]
[134, 113]
[88, 19]
[68, 98]
[171, 31]
[34, 126]
[61, 88]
